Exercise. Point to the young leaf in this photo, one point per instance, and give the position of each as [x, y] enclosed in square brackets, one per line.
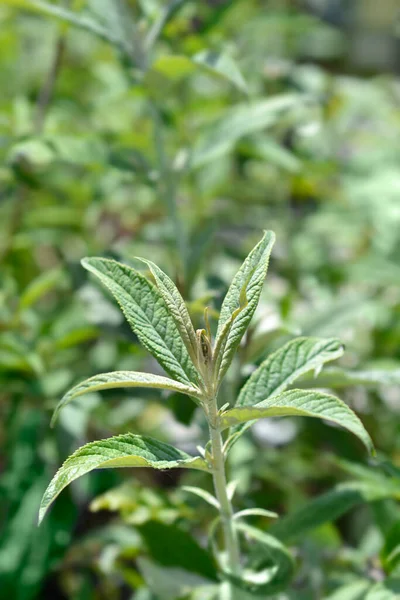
[285, 365]
[300, 403]
[268, 550]
[122, 379]
[176, 306]
[127, 450]
[147, 314]
[202, 494]
[241, 300]
[255, 512]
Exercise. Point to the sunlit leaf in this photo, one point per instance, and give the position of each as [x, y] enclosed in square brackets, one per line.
[126, 450]
[284, 366]
[124, 379]
[147, 314]
[300, 403]
[176, 307]
[240, 303]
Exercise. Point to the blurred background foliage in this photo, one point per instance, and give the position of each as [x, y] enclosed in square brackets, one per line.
[178, 131]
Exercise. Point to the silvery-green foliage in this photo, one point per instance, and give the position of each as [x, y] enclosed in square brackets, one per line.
[196, 365]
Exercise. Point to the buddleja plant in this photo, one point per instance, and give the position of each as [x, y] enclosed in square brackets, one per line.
[197, 365]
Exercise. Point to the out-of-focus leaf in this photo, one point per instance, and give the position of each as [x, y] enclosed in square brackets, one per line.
[222, 65]
[202, 494]
[337, 377]
[176, 67]
[330, 506]
[391, 550]
[384, 590]
[238, 122]
[175, 583]
[274, 565]
[172, 546]
[173, 67]
[273, 153]
[353, 591]
[41, 286]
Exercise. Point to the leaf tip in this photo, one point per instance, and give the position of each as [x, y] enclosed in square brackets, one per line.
[84, 261]
[41, 514]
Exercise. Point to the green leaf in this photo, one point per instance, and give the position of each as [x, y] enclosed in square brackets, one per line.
[84, 21]
[202, 494]
[222, 65]
[255, 512]
[284, 366]
[336, 377]
[273, 153]
[274, 563]
[330, 506]
[147, 314]
[353, 591]
[42, 285]
[174, 583]
[172, 546]
[175, 67]
[237, 122]
[240, 303]
[385, 590]
[176, 306]
[390, 555]
[124, 379]
[126, 450]
[300, 403]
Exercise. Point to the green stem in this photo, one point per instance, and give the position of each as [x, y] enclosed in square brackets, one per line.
[220, 485]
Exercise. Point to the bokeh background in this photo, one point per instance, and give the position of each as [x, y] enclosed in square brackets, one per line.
[178, 132]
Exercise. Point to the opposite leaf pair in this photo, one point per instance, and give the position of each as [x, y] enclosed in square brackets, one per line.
[159, 317]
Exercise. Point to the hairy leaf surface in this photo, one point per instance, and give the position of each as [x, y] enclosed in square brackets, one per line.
[300, 403]
[241, 301]
[124, 379]
[147, 314]
[127, 450]
[176, 306]
[285, 365]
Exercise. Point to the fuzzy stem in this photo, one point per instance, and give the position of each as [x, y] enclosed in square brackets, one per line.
[220, 484]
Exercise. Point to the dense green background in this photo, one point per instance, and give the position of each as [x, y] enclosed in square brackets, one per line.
[178, 134]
